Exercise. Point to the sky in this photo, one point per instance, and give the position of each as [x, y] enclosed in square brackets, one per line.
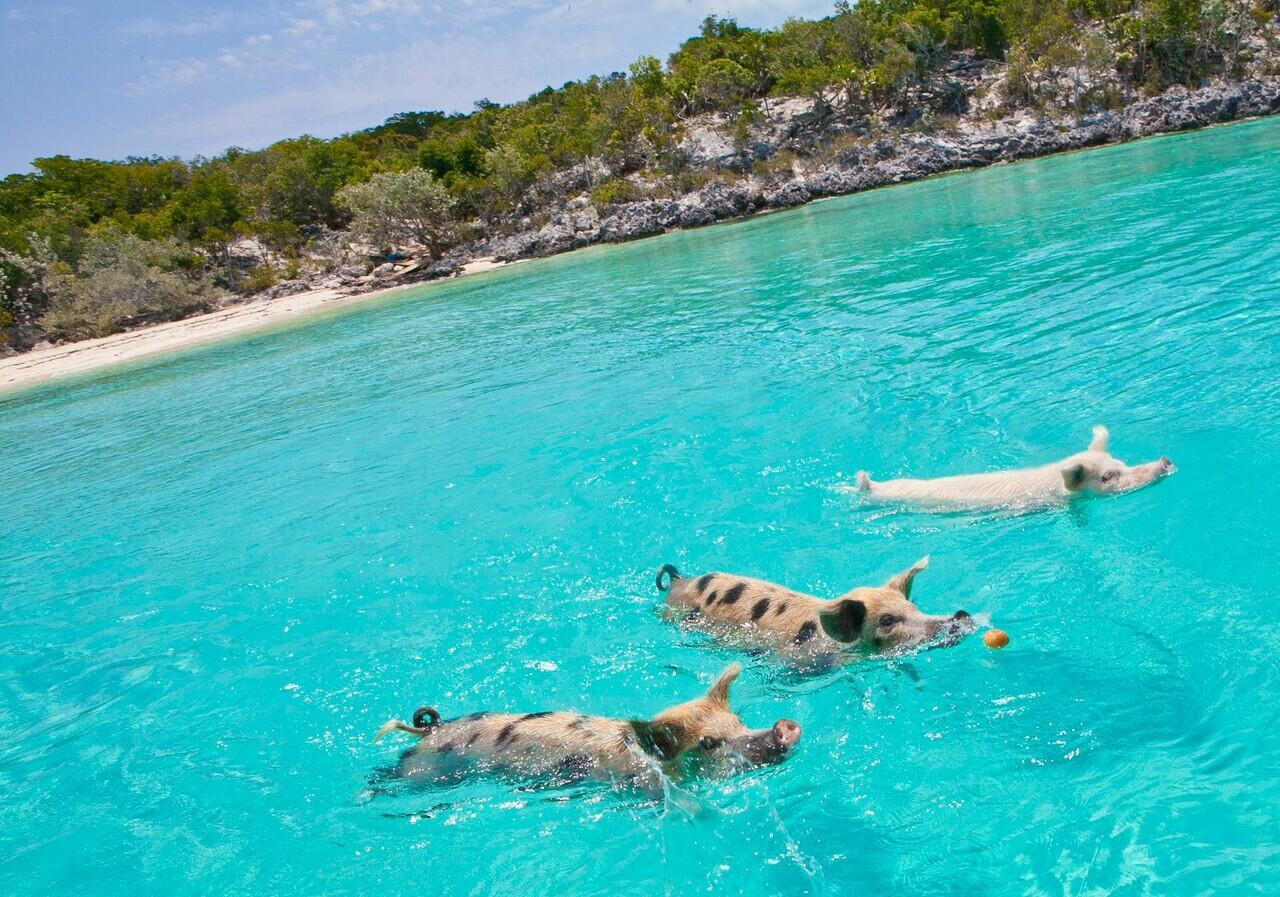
[156, 77]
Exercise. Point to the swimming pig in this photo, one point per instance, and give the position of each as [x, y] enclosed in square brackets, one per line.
[801, 625]
[701, 735]
[1093, 470]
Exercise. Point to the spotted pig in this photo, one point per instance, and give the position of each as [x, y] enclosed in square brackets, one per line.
[800, 625]
[699, 736]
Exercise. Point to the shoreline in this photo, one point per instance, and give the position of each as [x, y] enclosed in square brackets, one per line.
[909, 159]
[41, 366]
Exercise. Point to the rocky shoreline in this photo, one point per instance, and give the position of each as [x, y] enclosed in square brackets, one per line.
[795, 152]
[890, 159]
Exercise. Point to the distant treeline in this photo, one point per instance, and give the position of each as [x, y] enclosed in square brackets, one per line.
[88, 247]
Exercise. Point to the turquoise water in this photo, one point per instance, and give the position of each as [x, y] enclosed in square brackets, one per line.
[221, 572]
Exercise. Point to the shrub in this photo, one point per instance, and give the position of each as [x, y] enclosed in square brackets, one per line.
[121, 280]
[258, 278]
[618, 190]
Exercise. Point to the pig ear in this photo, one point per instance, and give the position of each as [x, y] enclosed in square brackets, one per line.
[661, 740]
[902, 582]
[843, 621]
[1073, 477]
[719, 692]
[1100, 437]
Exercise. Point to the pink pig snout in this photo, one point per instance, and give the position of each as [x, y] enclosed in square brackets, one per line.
[786, 733]
[1155, 470]
[1143, 474]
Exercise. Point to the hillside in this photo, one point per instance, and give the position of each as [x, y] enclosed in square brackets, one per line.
[735, 121]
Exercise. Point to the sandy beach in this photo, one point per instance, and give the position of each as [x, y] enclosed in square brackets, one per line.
[42, 365]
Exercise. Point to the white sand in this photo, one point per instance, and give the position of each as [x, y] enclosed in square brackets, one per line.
[88, 355]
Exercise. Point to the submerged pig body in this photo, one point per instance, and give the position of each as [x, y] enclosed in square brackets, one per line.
[703, 733]
[804, 626]
[1091, 471]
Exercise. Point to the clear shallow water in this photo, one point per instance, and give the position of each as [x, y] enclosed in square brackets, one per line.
[220, 573]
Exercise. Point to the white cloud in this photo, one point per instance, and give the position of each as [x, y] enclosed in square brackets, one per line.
[388, 7]
[300, 27]
[169, 76]
[44, 14]
[152, 28]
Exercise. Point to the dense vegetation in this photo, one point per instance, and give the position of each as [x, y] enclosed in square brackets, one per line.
[89, 247]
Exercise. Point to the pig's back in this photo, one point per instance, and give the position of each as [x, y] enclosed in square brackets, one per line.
[1006, 487]
[528, 743]
[779, 615]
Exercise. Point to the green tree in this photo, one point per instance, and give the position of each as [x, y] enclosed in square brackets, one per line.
[395, 208]
[209, 213]
[648, 78]
[510, 173]
[412, 124]
[722, 84]
[207, 210]
[890, 77]
[308, 175]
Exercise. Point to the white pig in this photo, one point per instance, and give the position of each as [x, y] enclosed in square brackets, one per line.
[1093, 470]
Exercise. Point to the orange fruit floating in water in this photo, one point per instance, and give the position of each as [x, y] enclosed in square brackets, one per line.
[995, 638]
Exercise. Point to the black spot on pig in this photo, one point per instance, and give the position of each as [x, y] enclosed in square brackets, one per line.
[806, 632]
[732, 596]
[761, 608]
[701, 583]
